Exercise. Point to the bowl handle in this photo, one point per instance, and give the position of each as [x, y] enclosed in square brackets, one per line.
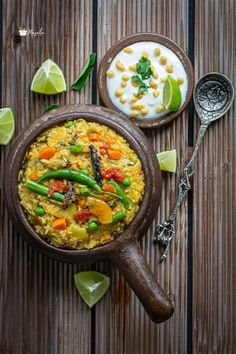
[131, 262]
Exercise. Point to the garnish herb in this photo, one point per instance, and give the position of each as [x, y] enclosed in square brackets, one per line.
[145, 72]
[51, 107]
[85, 73]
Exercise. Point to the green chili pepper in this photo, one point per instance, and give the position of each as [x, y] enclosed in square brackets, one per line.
[124, 199]
[72, 175]
[92, 226]
[126, 182]
[76, 149]
[119, 216]
[44, 190]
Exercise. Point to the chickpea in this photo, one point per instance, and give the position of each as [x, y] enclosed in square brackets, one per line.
[125, 77]
[145, 55]
[134, 106]
[144, 111]
[134, 83]
[134, 114]
[157, 52]
[156, 92]
[123, 99]
[169, 68]
[110, 73]
[133, 67]
[152, 84]
[180, 80]
[123, 84]
[134, 99]
[163, 60]
[120, 66]
[155, 75]
[118, 92]
[160, 108]
[128, 50]
[162, 80]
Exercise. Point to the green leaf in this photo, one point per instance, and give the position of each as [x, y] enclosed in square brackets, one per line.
[85, 73]
[143, 68]
[136, 78]
[51, 107]
[142, 88]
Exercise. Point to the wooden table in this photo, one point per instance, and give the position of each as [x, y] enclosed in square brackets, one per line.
[41, 311]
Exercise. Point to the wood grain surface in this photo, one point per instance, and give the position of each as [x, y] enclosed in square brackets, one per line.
[41, 311]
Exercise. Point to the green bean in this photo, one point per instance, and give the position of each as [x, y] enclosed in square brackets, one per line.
[119, 216]
[44, 190]
[124, 199]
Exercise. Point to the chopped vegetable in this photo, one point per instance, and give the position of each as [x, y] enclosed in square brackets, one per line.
[34, 176]
[56, 185]
[126, 182]
[76, 149]
[47, 152]
[59, 224]
[43, 190]
[109, 188]
[82, 216]
[114, 154]
[100, 209]
[96, 165]
[72, 175]
[124, 199]
[69, 123]
[119, 216]
[85, 73]
[114, 173]
[51, 107]
[70, 195]
[94, 137]
[40, 211]
[92, 226]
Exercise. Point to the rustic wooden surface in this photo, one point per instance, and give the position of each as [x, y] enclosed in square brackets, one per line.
[41, 312]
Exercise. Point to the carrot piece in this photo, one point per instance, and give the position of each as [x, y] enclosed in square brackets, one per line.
[59, 224]
[109, 188]
[34, 176]
[47, 152]
[114, 154]
[94, 137]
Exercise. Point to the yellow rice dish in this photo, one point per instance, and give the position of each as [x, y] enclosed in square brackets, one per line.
[80, 184]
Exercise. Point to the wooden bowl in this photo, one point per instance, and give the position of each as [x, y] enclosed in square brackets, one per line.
[124, 251]
[141, 37]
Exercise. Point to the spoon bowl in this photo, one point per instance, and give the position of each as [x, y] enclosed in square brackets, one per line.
[213, 96]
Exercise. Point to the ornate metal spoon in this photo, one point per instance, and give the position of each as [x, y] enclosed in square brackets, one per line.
[213, 95]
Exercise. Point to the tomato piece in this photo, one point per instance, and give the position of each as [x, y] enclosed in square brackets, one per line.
[57, 185]
[82, 216]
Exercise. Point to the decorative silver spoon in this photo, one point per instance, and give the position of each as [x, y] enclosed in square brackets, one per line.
[213, 95]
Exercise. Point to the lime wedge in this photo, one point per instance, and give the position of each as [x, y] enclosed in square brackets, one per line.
[172, 97]
[167, 160]
[7, 125]
[91, 286]
[49, 79]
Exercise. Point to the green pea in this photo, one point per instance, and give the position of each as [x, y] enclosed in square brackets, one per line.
[76, 149]
[126, 182]
[92, 226]
[40, 211]
[69, 123]
[85, 171]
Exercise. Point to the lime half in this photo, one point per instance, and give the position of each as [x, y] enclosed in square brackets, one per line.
[91, 286]
[49, 79]
[172, 97]
[167, 160]
[7, 125]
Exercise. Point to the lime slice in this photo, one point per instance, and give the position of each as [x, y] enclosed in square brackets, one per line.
[49, 79]
[172, 97]
[91, 286]
[7, 125]
[167, 160]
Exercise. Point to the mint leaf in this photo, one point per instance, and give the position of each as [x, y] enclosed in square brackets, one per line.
[142, 88]
[85, 73]
[136, 78]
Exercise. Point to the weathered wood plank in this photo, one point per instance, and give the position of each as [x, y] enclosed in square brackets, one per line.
[121, 324]
[214, 243]
[41, 312]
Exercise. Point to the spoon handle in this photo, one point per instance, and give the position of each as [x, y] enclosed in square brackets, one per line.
[166, 230]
